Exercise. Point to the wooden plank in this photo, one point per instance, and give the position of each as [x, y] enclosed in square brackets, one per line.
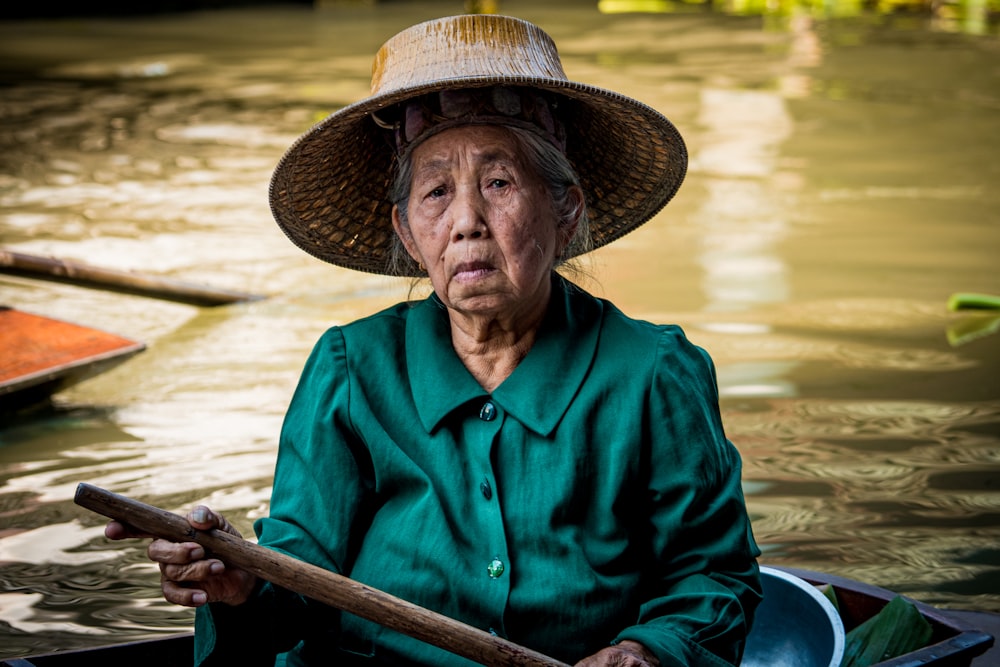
[124, 282]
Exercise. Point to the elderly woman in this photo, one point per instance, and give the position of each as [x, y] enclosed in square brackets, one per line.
[511, 452]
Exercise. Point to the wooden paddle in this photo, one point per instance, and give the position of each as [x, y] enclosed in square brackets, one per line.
[319, 584]
[125, 282]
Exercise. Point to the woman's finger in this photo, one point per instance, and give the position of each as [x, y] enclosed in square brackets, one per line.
[182, 595]
[626, 654]
[164, 551]
[200, 570]
[116, 530]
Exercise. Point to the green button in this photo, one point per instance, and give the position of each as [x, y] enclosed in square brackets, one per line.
[495, 568]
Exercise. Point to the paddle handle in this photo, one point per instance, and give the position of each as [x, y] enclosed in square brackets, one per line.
[316, 583]
[125, 282]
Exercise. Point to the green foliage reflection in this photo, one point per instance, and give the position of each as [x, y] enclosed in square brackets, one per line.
[973, 16]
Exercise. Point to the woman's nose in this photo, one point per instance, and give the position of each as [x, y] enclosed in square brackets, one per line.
[468, 216]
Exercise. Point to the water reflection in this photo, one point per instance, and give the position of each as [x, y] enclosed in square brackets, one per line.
[841, 188]
[889, 473]
[971, 16]
[742, 134]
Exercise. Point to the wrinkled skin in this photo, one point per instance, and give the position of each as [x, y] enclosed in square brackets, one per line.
[483, 223]
[187, 577]
[626, 654]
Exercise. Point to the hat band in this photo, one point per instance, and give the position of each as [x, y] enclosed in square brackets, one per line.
[424, 116]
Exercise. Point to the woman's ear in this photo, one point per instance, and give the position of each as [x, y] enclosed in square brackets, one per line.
[403, 232]
[567, 227]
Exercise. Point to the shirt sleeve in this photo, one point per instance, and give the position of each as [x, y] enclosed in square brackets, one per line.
[309, 519]
[705, 579]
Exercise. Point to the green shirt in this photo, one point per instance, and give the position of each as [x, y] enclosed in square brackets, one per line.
[592, 497]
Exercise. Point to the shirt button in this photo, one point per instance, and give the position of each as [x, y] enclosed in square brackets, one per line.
[495, 568]
[486, 489]
[488, 412]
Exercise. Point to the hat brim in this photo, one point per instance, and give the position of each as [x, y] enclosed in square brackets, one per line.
[329, 192]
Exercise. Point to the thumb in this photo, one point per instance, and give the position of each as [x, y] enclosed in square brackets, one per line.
[203, 518]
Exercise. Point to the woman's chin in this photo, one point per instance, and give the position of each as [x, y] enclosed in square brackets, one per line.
[481, 297]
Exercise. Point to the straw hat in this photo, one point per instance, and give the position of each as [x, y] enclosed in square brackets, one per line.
[329, 193]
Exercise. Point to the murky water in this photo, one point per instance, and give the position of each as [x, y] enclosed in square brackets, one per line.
[842, 186]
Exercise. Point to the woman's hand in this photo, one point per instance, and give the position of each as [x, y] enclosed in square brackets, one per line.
[187, 576]
[624, 654]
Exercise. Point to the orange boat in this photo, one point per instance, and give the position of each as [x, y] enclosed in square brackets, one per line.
[40, 356]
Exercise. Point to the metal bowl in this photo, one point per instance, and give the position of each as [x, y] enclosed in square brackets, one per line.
[795, 626]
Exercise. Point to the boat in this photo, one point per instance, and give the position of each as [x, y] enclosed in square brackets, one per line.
[42, 355]
[170, 651]
[954, 643]
[958, 637]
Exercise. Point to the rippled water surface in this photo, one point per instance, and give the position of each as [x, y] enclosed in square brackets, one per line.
[842, 186]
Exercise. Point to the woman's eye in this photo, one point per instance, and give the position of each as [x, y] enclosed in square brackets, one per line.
[498, 183]
[436, 193]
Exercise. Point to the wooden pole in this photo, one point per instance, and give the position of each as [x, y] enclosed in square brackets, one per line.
[319, 584]
[125, 282]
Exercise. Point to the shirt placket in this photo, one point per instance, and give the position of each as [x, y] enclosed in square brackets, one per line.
[494, 573]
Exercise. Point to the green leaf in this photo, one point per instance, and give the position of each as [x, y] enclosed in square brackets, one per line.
[896, 630]
[830, 594]
[967, 300]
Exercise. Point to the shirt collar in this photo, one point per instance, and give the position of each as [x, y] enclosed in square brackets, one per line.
[540, 389]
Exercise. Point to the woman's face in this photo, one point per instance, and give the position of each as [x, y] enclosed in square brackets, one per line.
[481, 222]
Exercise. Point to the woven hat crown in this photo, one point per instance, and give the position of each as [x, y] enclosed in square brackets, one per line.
[464, 47]
[329, 192]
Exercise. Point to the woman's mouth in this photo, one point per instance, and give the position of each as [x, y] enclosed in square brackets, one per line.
[472, 271]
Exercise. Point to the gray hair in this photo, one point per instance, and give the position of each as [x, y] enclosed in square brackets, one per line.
[547, 161]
